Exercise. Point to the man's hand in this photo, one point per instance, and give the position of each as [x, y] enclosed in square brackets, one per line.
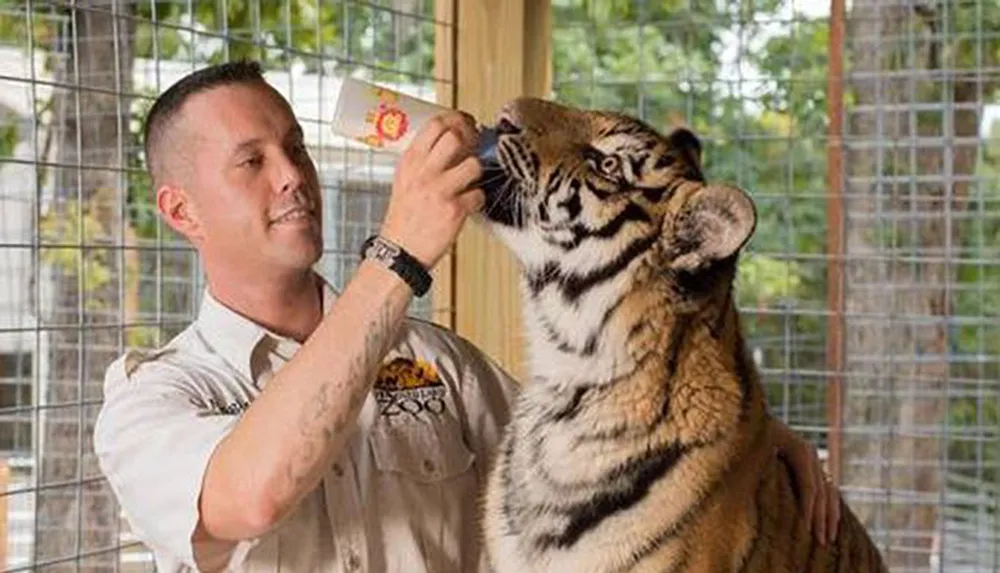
[430, 193]
[822, 499]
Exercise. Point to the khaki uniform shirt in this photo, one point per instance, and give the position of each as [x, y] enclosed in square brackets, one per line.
[403, 497]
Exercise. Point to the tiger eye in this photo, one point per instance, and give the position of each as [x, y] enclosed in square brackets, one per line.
[609, 164]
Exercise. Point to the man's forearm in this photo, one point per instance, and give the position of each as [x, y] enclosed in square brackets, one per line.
[286, 440]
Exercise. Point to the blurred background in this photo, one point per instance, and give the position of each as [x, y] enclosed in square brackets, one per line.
[867, 132]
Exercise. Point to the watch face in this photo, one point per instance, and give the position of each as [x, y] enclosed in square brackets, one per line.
[382, 250]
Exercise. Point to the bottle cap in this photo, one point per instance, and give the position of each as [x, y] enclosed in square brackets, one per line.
[493, 177]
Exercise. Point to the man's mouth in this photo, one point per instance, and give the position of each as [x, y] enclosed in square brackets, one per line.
[293, 214]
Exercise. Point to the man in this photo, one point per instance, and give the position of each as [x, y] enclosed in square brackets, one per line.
[290, 428]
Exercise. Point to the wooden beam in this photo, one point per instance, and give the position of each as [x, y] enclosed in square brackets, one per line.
[502, 52]
[443, 288]
[4, 524]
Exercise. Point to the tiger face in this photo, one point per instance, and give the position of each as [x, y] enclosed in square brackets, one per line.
[597, 206]
[577, 178]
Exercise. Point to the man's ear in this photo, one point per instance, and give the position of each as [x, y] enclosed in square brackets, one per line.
[715, 223]
[174, 205]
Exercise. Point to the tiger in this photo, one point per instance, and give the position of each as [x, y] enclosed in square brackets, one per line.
[640, 441]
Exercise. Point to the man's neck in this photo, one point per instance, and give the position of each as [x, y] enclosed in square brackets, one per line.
[290, 306]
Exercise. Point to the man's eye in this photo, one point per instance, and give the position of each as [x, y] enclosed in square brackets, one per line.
[300, 149]
[252, 161]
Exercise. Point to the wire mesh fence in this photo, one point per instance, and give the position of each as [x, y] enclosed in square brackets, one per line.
[870, 291]
[88, 269]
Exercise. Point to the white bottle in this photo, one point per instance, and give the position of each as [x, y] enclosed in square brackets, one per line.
[388, 120]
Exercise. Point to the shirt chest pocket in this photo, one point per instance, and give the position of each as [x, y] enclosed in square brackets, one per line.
[425, 450]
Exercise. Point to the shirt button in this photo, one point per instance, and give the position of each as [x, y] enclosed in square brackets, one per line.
[353, 561]
[429, 466]
[338, 471]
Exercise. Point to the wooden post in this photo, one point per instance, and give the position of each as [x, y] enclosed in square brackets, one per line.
[4, 521]
[502, 52]
[445, 35]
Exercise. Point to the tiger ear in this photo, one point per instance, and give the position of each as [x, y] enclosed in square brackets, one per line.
[712, 225]
[687, 146]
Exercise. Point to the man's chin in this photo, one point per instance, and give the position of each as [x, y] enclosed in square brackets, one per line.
[301, 254]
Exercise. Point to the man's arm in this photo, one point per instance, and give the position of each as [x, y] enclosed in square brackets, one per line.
[287, 439]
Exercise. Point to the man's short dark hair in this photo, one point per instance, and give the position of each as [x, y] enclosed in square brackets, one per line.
[166, 106]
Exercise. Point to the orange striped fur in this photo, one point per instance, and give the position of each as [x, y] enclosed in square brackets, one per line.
[641, 442]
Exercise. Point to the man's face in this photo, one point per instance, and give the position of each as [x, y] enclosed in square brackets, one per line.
[249, 179]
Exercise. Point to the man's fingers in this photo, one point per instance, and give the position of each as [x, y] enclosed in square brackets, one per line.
[428, 135]
[808, 486]
[463, 175]
[472, 201]
[465, 127]
[833, 511]
[446, 152]
[821, 513]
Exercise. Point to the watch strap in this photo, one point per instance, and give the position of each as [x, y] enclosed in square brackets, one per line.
[397, 260]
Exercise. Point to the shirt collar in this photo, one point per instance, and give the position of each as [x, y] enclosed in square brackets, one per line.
[235, 337]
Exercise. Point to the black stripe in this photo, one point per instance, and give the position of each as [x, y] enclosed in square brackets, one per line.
[555, 182]
[550, 332]
[678, 338]
[575, 285]
[693, 511]
[543, 212]
[631, 213]
[745, 378]
[598, 192]
[682, 563]
[553, 337]
[507, 488]
[507, 155]
[636, 162]
[793, 519]
[754, 546]
[539, 279]
[523, 158]
[703, 281]
[571, 410]
[664, 161]
[589, 347]
[654, 194]
[572, 203]
[638, 475]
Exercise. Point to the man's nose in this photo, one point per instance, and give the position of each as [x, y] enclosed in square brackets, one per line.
[289, 174]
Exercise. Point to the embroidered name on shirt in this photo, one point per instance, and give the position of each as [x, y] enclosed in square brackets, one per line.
[230, 409]
[406, 386]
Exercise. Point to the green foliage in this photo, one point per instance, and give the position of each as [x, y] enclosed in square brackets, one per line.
[9, 136]
[291, 33]
[75, 225]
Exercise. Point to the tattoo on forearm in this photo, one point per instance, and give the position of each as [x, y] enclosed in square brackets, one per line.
[317, 429]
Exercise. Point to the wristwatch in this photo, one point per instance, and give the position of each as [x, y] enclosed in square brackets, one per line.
[397, 260]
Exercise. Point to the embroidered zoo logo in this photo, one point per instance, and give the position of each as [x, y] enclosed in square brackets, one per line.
[405, 386]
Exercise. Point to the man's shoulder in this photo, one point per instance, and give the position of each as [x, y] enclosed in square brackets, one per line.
[172, 356]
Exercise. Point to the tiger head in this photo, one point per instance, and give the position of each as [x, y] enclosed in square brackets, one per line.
[611, 221]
